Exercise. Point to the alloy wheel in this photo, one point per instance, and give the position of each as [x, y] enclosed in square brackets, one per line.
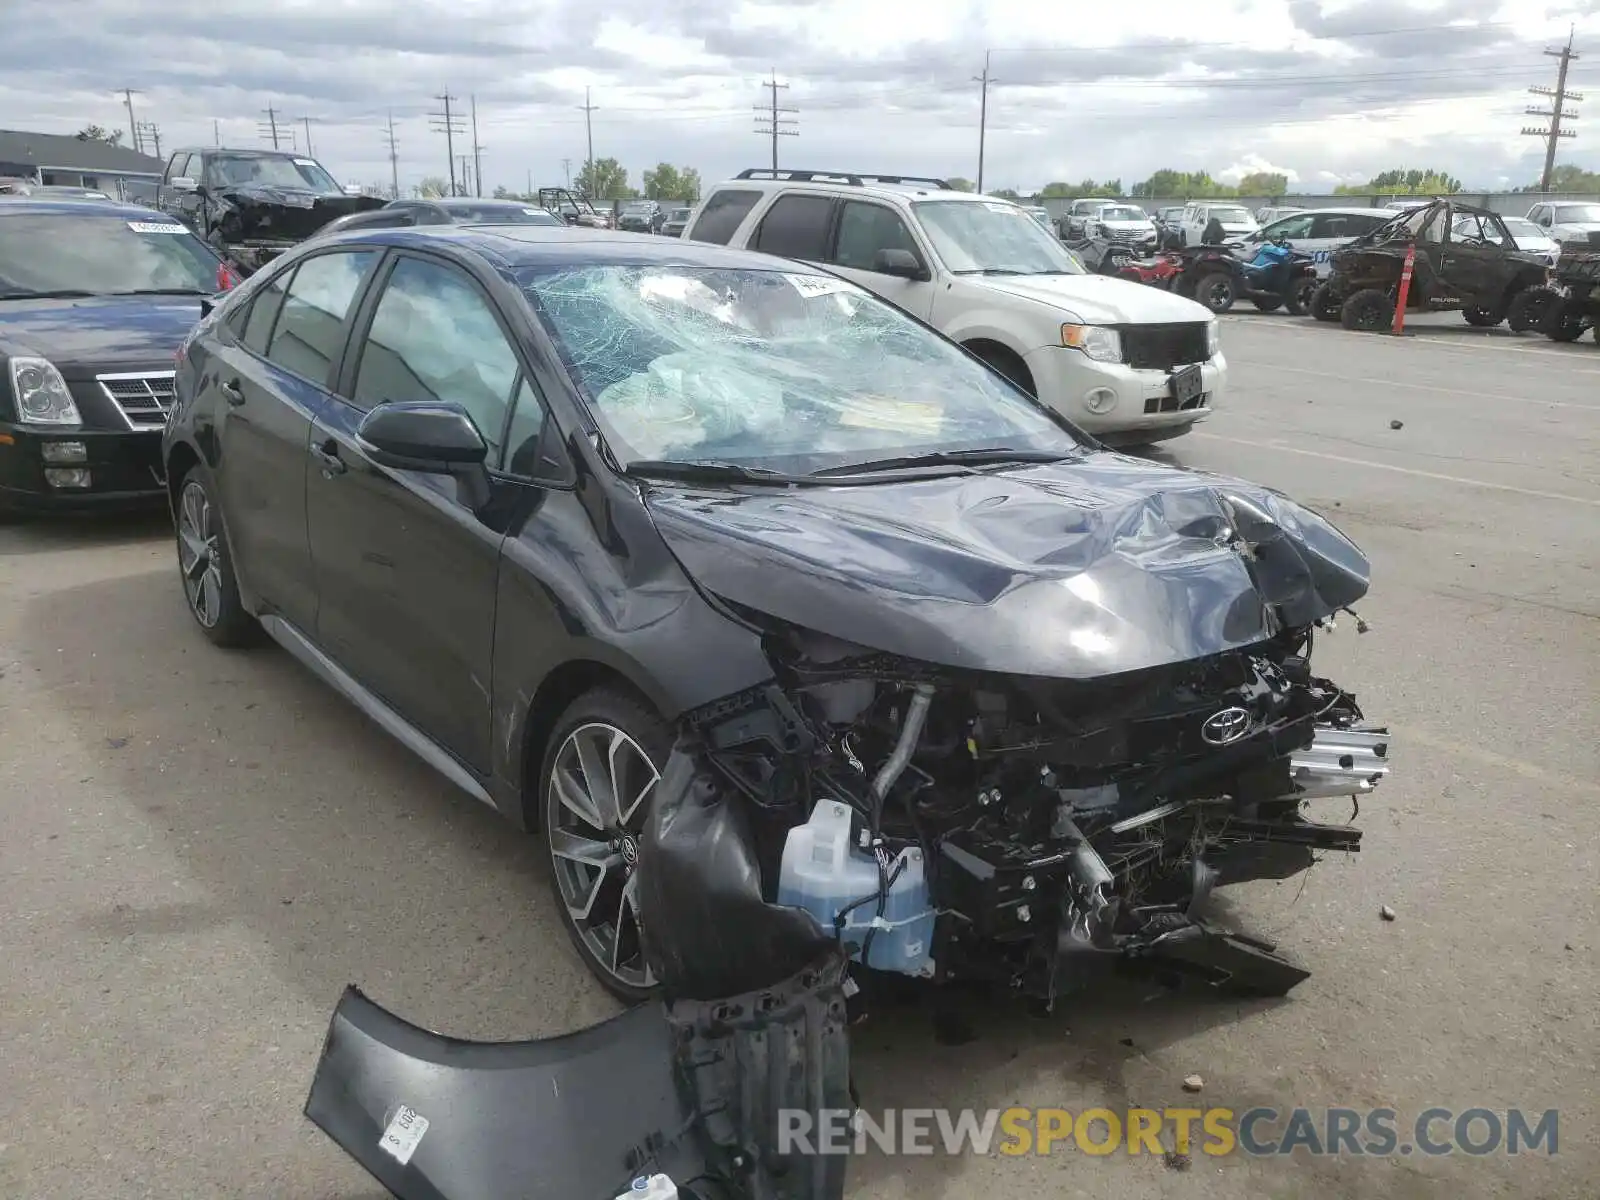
[596, 802]
[199, 555]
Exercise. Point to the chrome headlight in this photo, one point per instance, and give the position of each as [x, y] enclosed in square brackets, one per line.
[1213, 339]
[41, 394]
[1096, 341]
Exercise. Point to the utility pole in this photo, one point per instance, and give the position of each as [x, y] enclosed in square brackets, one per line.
[305, 123]
[983, 114]
[566, 166]
[1556, 112]
[450, 125]
[133, 125]
[466, 174]
[588, 111]
[270, 125]
[216, 131]
[775, 126]
[477, 152]
[394, 161]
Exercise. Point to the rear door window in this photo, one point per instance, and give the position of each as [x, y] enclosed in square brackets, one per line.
[309, 332]
[264, 313]
[796, 226]
[722, 215]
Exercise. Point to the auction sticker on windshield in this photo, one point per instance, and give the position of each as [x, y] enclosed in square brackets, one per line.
[156, 227]
[404, 1132]
[818, 285]
[305, 162]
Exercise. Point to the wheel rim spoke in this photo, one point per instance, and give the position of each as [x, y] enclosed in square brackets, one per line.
[595, 763]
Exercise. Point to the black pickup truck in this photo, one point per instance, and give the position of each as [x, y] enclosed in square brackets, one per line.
[252, 205]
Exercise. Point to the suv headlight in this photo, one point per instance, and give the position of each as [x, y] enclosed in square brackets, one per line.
[41, 394]
[1213, 339]
[1096, 341]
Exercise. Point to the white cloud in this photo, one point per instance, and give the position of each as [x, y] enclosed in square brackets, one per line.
[1250, 164]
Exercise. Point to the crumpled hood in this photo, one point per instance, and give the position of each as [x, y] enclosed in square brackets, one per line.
[1099, 299]
[274, 211]
[1077, 569]
[98, 331]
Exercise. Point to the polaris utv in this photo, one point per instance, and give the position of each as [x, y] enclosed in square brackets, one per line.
[1466, 259]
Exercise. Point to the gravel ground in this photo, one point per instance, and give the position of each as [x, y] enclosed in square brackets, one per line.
[200, 849]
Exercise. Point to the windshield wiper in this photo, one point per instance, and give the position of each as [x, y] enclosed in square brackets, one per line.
[990, 456]
[708, 472]
[172, 291]
[50, 294]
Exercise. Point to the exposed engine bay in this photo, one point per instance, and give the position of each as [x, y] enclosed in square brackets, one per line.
[1027, 830]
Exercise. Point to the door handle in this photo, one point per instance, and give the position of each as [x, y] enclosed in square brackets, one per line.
[233, 392]
[327, 456]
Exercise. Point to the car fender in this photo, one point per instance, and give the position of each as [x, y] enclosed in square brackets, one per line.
[978, 313]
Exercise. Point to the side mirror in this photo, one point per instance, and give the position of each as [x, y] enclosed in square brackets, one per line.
[426, 436]
[183, 183]
[900, 263]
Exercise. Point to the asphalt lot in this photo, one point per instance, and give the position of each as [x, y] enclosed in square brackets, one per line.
[200, 849]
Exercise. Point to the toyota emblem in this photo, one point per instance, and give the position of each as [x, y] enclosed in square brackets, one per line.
[1226, 726]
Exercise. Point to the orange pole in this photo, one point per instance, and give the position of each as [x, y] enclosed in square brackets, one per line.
[1405, 290]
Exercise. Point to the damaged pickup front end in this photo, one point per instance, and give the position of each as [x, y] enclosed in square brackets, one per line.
[1037, 799]
[252, 224]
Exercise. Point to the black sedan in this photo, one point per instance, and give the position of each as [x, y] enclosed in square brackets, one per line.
[458, 210]
[95, 297]
[798, 634]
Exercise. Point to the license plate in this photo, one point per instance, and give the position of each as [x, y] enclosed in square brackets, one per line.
[1186, 384]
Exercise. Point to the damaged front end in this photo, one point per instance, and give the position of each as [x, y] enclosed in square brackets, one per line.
[1036, 800]
[252, 225]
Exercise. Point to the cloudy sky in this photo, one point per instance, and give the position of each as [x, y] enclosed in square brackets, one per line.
[1326, 90]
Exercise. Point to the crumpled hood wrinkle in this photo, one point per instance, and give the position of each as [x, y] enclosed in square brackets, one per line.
[1077, 569]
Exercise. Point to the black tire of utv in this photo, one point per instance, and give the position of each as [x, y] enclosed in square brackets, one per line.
[1301, 296]
[1216, 291]
[1267, 305]
[654, 736]
[1368, 311]
[1568, 329]
[1323, 305]
[1483, 318]
[1528, 309]
[236, 628]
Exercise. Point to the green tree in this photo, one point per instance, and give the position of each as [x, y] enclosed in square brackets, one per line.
[958, 184]
[1568, 178]
[1263, 183]
[1404, 182]
[1168, 184]
[1005, 193]
[96, 133]
[667, 182]
[1075, 191]
[604, 179]
[433, 187]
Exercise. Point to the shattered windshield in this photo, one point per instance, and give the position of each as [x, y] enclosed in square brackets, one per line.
[771, 370]
[993, 238]
[271, 171]
[98, 256]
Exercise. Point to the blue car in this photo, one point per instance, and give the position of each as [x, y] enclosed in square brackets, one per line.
[95, 299]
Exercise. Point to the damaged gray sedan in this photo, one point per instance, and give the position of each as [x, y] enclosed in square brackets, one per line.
[813, 650]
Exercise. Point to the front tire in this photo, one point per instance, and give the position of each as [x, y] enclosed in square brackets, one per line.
[1483, 318]
[601, 765]
[1216, 291]
[1530, 307]
[1301, 296]
[205, 565]
[1325, 303]
[1368, 311]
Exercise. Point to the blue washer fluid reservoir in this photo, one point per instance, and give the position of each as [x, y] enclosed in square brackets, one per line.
[823, 873]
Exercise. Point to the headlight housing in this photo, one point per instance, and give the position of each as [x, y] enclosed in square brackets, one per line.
[41, 394]
[1213, 339]
[1096, 341]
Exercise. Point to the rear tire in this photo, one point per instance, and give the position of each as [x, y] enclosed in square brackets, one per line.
[1325, 304]
[1368, 311]
[1266, 305]
[1483, 318]
[1216, 291]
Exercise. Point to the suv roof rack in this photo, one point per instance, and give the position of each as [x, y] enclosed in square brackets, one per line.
[853, 178]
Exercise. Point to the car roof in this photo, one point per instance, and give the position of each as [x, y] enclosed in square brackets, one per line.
[868, 187]
[80, 206]
[240, 151]
[1353, 211]
[564, 245]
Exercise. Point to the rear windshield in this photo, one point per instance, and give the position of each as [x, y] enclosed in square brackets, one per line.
[100, 255]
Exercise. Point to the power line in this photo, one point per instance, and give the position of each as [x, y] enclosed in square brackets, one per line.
[776, 126]
[450, 125]
[983, 114]
[588, 109]
[1560, 95]
[477, 151]
[149, 134]
[269, 127]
